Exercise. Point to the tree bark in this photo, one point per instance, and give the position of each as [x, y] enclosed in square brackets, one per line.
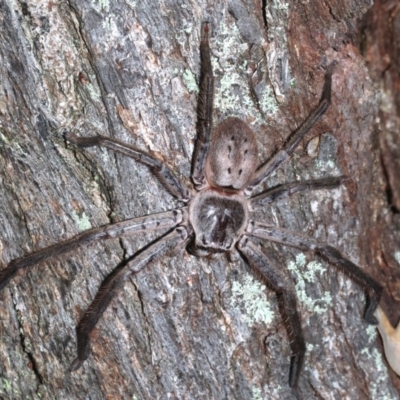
[380, 30]
[185, 327]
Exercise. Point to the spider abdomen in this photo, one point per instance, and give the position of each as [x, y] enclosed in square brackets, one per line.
[232, 157]
[218, 219]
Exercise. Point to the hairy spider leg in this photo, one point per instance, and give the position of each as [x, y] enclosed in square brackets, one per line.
[161, 171]
[259, 201]
[284, 154]
[279, 235]
[118, 229]
[204, 109]
[110, 286]
[285, 292]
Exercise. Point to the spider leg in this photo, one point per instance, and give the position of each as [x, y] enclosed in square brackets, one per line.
[286, 190]
[118, 229]
[162, 172]
[204, 109]
[294, 140]
[110, 286]
[274, 278]
[372, 288]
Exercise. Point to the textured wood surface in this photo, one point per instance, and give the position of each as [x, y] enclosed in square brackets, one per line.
[380, 30]
[184, 328]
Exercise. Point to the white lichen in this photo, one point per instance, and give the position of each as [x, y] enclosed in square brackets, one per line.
[256, 394]
[93, 91]
[4, 139]
[378, 387]
[102, 5]
[305, 273]
[184, 34]
[190, 81]
[276, 14]
[328, 167]
[230, 66]
[280, 5]
[268, 102]
[82, 221]
[252, 297]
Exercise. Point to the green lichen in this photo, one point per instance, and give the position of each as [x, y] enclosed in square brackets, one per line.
[93, 91]
[7, 389]
[82, 221]
[280, 5]
[378, 387]
[268, 102]
[305, 274]
[110, 25]
[371, 331]
[103, 4]
[327, 166]
[132, 3]
[190, 81]
[183, 34]
[233, 94]
[251, 295]
[6, 384]
[4, 139]
[256, 394]
[105, 156]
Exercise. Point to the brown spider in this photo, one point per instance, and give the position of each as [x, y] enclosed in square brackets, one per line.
[217, 214]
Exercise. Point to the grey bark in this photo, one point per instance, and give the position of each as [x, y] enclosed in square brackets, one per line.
[182, 328]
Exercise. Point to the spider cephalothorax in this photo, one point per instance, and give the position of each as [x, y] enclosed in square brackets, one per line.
[218, 219]
[216, 216]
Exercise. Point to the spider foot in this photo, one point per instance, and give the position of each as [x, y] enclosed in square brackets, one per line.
[373, 296]
[327, 89]
[70, 137]
[83, 345]
[369, 315]
[205, 30]
[330, 68]
[296, 365]
[76, 364]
